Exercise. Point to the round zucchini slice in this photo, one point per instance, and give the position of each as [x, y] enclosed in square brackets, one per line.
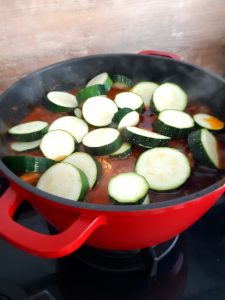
[102, 79]
[130, 100]
[57, 101]
[209, 122]
[164, 168]
[125, 117]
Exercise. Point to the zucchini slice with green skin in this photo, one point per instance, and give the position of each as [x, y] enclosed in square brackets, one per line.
[207, 121]
[98, 111]
[102, 79]
[128, 188]
[145, 89]
[174, 123]
[28, 132]
[90, 91]
[64, 180]
[164, 168]
[125, 117]
[146, 200]
[25, 146]
[27, 164]
[77, 127]
[168, 96]
[57, 144]
[144, 138]
[204, 148]
[86, 163]
[121, 82]
[131, 100]
[124, 151]
[57, 101]
[102, 141]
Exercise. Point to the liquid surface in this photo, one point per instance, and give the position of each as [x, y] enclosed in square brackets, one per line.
[200, 178]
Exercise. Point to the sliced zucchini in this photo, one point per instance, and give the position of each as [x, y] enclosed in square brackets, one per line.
[57, 144]
[25, 146]
[64, 180]
[123, 151]
[57, 101]
[144, 137]
[125, 117]
[174, 123]
[146, 200]
[86, 163]
[102, 141]
[78, 113]
[98, 111]
[163, 168]
[121, 82]
[204, 148]
[90, 91]
[168, 96]
[131, 100]
[28, 132]
[102, 79]
[77, 127]
[209, 122]
[27, 164]
[128, 188]
[145, 89]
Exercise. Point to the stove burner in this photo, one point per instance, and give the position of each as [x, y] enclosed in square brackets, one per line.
[126, 261]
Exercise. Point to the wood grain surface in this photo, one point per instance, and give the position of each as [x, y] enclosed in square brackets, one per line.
[34, 33]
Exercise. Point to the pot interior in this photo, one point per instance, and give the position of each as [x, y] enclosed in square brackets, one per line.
[19, 100]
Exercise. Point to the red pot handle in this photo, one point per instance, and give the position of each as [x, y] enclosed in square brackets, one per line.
[43, 245]
[160, 53]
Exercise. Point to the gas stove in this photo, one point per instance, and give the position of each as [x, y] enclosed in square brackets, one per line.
[191, 266]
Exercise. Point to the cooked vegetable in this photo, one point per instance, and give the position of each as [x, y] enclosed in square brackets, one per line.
[145, 89]
[90, 91]
[169, 96]
[174, 123]
[77, 127]
[121, 82]
[144, 137]
[131, 100]
[123, 151]
[99, 111]
[204, 148]
[57, 144]
[209, 122]
[25, 146]
[102, 79]
[128, 188]
[60, 101]
[28, 132]
[163, 168]
[27, 164]
[64, 180]
[31, 178]
[78, 113]
[102, 141]
[146, 200]
[125, 117]
[86, 163]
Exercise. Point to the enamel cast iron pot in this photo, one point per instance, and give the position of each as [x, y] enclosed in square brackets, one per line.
[112, 227]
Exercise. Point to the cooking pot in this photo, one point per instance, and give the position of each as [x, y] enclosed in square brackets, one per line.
[104, 226]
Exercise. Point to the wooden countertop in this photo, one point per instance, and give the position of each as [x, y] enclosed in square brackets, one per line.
[37, 33]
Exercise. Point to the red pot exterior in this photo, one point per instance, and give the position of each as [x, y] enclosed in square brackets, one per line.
[112, 230]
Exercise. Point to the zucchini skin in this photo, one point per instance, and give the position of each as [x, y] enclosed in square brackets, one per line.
[171, 131]
[29, 137]
[197, 149]
[143, 141]
[121, 79]
[85, 184]
[27, 164]
[123, 154]
[106, 149]
[90, 91]
[54, 107]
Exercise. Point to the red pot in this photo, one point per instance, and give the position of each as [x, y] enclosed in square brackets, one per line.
[103, 226]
